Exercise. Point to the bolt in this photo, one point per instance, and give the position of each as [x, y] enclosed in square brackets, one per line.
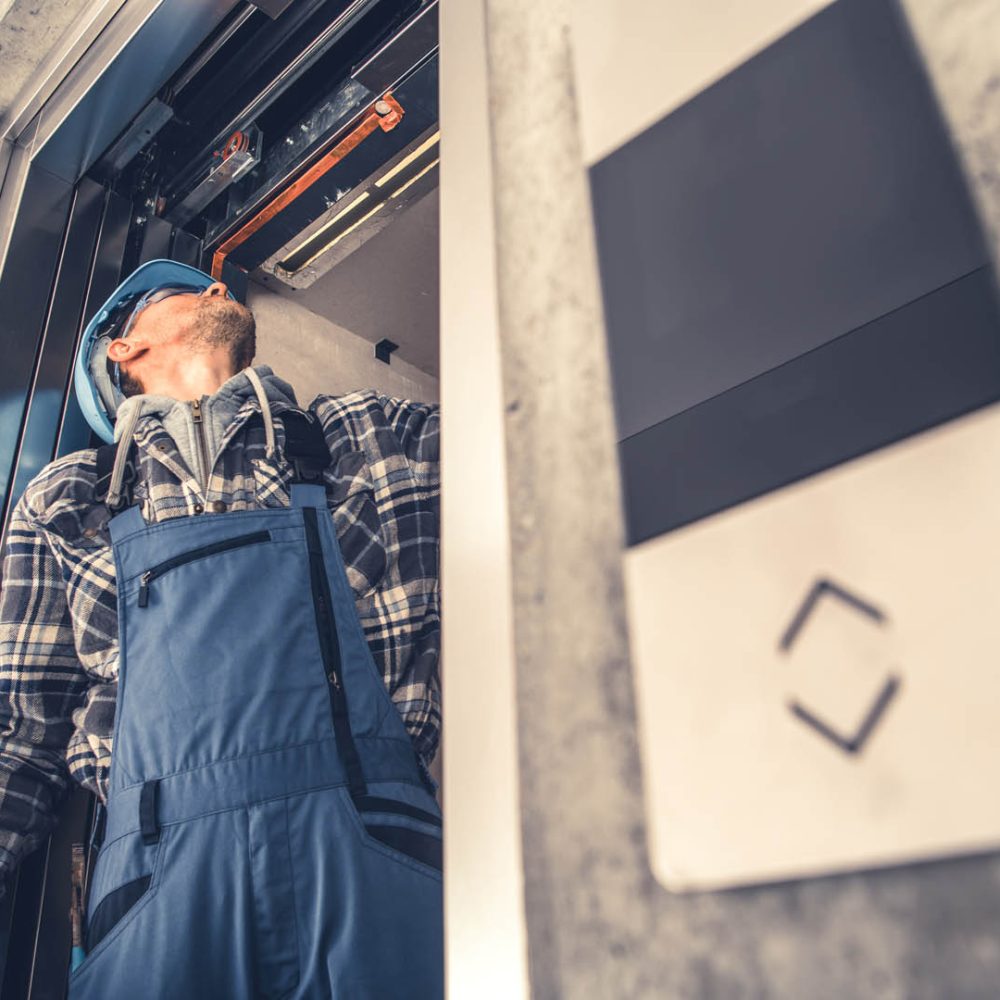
[383, 108]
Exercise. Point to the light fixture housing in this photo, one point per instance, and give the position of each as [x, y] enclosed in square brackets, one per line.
[359, 214]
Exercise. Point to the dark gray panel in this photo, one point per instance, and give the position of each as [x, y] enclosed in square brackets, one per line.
[63, 325]
[106, 266]
[161, 45]
[25, 285]
[808, 192]
[155, 240]
[186, 248]
[927, 362]
[273, 8]
[402, 52]
[236, 280]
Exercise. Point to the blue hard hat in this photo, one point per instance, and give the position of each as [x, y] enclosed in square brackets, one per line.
[96, 392]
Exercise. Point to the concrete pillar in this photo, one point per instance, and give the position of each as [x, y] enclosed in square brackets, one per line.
[580, 792]
[598, 924]
[958, 40]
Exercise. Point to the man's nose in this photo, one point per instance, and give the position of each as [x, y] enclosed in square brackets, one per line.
[216, 288]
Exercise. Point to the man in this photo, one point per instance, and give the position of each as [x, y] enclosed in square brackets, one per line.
[241, 600]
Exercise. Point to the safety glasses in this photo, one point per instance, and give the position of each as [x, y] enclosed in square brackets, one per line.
[121, 324]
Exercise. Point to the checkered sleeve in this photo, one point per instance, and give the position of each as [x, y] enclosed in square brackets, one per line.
[418, 427]
[41, 682]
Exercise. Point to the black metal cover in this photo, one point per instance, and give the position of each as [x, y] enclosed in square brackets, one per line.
[793, 272]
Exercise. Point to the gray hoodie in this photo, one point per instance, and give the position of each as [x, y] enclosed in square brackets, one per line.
[217, 412]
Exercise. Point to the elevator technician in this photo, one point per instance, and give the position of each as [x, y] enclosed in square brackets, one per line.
[225, 623]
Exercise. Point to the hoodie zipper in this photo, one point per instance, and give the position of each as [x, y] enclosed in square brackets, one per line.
[200, 553]
[199, 433]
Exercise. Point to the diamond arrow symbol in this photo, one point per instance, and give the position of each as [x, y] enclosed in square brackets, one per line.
[849, 744]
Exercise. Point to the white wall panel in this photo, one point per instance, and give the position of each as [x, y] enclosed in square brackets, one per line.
[636, 61]
[484, 901]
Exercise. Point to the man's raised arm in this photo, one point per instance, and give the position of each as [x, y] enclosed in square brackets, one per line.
[418, 427]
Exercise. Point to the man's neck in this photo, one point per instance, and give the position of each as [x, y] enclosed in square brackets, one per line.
[199, 376]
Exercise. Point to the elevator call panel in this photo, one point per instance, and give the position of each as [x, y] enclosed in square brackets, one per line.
[804, 336]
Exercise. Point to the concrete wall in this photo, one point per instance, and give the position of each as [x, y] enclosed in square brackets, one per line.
[318, 357]
[958, 41]
[29, 32]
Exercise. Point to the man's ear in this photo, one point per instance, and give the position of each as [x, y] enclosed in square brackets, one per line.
[125, 350]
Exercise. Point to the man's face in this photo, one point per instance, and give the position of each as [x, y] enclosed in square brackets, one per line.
[181, 325]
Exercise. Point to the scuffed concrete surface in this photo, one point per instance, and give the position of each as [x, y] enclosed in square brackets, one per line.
[29, 31]
[599, 925]
[960, 43]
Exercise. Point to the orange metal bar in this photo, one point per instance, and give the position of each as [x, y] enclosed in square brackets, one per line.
[385, 114]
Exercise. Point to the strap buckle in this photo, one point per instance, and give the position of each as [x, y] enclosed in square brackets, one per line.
[306, 449]
[149, 825]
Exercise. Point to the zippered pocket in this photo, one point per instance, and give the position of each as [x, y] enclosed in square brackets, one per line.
[329, 647]
[253, 538]
[374, 803]
[401, 828]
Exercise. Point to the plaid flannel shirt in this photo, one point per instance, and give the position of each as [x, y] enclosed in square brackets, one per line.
[58, 615]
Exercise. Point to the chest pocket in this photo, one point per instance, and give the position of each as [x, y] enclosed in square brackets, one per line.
[350, 496]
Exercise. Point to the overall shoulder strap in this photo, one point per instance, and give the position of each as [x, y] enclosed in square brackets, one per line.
[105, 463]
[305, 445]
[105, 469]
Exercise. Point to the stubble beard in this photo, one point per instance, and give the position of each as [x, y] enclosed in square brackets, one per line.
[222, 322]
[217, 322]
[129, 384]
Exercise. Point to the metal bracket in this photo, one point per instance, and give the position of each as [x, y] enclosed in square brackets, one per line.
[239, 154]
[273, 8]
[384, 348]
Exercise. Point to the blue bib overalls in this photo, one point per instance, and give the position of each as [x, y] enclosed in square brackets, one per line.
[268, 833]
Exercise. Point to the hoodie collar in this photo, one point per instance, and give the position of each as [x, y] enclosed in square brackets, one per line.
[234, 402]
[235, 397]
